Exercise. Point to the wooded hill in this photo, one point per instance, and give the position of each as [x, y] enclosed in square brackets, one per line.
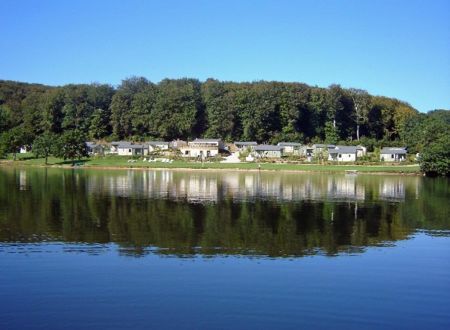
[267, 112]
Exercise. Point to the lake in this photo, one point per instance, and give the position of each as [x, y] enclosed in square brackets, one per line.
[90, 249]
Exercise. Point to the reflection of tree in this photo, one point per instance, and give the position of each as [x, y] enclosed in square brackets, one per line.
[66, 205]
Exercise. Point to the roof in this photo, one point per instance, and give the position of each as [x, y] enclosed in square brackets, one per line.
[289, 144]
[398, 150]
[158, 142]
[268, 147]
[207, 140]
[342, 150]
[130, 145]
[246, 143]
[323, 146]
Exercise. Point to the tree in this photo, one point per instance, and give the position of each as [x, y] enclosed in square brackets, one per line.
[361, 102]
[45, 145]
[72, 145]
[12, 140]
[331, 135]
[435, 157]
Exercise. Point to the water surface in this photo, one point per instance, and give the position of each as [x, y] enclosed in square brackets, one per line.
[187, 249]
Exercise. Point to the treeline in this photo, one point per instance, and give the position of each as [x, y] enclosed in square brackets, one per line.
[266, 112]
[187, 108]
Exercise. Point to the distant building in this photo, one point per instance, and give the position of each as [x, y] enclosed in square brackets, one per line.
[202, 148]
[131, 149]
[177, 144]
[94, 148]
[268, 151]
[157, 145]
[389, 154]
[342, 153]
[245, 145]
[293, 148]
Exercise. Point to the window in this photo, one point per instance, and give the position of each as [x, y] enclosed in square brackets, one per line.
[129, 150]
[392, 156]
[340, 156]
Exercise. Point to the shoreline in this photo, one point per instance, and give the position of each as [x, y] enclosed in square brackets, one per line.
[320, 169]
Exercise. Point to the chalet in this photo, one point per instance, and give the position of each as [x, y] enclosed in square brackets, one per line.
[268, 151]
[157, 146]
[393, 154]
[131, 149]
[293, 148]
[342, 153]
[245, 145]
[320, 148]
[361, 151]
[94, 148]
[202, 148]
[177, 144]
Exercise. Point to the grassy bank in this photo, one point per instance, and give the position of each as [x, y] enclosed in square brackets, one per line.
[123, 162]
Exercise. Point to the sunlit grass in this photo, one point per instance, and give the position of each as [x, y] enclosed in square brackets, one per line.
[123, 162]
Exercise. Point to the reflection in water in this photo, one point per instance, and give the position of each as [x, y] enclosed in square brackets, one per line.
[188, 212]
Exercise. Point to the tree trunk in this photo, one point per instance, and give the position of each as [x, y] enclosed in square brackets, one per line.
[14, 155]
[357, 132]
[46, 160]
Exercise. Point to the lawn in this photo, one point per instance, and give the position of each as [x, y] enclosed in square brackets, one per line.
[123, 162]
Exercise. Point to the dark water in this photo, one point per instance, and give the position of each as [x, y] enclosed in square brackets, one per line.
[165, 249]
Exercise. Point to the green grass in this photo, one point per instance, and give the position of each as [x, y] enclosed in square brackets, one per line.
[122, 162]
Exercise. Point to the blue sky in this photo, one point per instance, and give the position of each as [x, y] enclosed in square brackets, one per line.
[394, 48]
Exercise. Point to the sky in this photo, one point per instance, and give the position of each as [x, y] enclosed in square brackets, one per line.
[393, 48]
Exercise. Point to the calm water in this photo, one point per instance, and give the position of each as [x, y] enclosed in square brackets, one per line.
[166, 249]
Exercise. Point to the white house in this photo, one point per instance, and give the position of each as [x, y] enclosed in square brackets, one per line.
[131, 149]
[393, 154]
[268, 151]
[202, 148]
[157, 146]
[245, 145]
[342, 153]
[291, 147]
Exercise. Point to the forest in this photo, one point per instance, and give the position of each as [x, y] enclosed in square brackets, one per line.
[262, 111]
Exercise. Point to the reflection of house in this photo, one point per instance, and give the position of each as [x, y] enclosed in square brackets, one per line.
[392, 189]
[291, 147]
[268, 151]
[342, 154]
[202, 148]
[244, 145]
[345, 188]
[94, 148]
[393, 154]
[157, 145]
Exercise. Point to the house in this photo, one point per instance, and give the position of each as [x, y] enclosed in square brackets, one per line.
[177, 144]
[131, 149]
[157, 146]
[24, 149]
[268, 151]
[342, 153]
[115, 146]
[245, 145]
[361, 151]
[388, 154]
[320, 148]
[202, 148]
[94, 148]
[291, 147]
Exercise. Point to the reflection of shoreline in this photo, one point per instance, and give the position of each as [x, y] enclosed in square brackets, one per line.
[196, 187]
[396, 170]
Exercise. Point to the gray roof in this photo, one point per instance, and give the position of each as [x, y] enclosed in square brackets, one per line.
[158, 142]
[246, 143]
[388, 150]
[268, 147]
[342, 150]
[289, 144]
[207, 140]
[323, 146]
